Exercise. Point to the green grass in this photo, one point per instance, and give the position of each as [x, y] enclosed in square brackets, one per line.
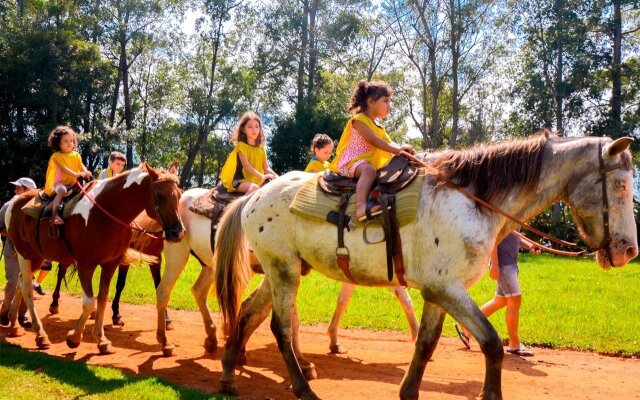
[567, 303]
[30, 375]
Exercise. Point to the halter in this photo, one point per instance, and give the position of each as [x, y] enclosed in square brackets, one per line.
[136, 226]
[604, 245]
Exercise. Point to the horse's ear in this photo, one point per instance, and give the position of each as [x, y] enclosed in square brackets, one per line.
[143, 166]
[173, 168]
[152, 172]
[616, 147]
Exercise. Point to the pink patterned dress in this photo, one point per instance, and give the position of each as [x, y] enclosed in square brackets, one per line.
[355, 147]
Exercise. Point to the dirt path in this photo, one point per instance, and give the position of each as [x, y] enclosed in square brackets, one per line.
[372, 369]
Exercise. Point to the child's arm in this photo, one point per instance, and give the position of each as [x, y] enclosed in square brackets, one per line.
[375, 141]
[69, 171]
[247, 165]
[494, 268]
[269, 171]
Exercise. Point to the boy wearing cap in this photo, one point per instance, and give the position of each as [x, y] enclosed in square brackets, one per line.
[12, 268]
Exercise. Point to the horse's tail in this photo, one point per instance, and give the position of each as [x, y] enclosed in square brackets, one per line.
[132, 256]
[233, 271]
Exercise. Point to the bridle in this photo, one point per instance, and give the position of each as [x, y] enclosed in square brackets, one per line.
[606, 241]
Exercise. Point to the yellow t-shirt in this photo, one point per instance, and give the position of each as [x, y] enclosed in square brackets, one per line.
[317, 166]
[376, 157]
[56, 176]
[233, 170]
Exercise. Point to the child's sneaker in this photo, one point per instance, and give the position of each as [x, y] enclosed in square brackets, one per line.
[39, 289]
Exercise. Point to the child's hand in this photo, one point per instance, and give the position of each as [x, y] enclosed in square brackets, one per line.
[408, 148]
[85, 175]
[269, 176]
[494, 272]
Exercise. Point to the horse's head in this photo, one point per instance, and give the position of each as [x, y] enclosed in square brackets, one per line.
[163, 203]
[602, 200]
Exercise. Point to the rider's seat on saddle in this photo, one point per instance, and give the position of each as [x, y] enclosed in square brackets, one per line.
[329, 197]
[34, 208]
[213, 203]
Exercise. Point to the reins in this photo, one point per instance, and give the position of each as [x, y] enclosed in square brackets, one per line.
[605, 211]
[136, 226]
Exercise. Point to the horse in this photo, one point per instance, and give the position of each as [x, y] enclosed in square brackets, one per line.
[197, 241]
[445, 249]
[97, 231]
[140, 241]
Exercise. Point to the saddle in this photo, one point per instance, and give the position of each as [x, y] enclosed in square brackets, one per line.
[212, 204]
[40, 206]
[391, 179]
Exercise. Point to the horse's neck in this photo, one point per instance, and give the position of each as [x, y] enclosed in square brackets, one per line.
[562, 164]
[126, 195]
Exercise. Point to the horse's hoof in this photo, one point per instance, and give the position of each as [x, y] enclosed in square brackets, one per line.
[241, 359]
[105, 348]
[16, 331]
[167, 350]
[71, 344]
[43, 342]
[228, 388]
[54, 310]
[337, 349]
[309, 371]
[169, 325]
[211, 345]
[117, 321]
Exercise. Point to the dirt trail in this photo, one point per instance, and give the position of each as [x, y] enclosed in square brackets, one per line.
[373, 368]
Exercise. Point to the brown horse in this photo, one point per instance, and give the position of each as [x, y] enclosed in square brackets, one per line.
[141, 242]
[94, 233]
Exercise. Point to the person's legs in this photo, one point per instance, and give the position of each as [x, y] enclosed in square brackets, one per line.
[247, 187]
[366, 174]
[44, 270]
[12, 272]
[61, 191]
[512, 319]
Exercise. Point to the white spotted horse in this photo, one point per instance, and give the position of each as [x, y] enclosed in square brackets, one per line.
[446, 248]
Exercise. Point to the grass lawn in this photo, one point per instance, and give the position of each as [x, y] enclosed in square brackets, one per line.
[567, 303]
[29, 375]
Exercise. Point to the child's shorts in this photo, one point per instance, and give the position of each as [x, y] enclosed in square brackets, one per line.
[66, 187]
[508, 283]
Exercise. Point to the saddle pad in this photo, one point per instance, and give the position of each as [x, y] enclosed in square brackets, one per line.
[312, 202]
[33, 207]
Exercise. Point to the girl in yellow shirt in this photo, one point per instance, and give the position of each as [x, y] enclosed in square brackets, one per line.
[321, 148]
[65, 166]
[365, 146]
[246, 168]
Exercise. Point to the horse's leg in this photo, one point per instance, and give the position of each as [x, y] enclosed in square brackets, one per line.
[456, 301]
[346, 290]
[253, 312]
[26, 287]
[106, 274]
[85, 275]
[14, 328]
[176, 257]
[308, 368]
[286, 279]
[407, 306]
[155, 274]
[200, 291]
[54, 308]
[123, 270]
[428, 335]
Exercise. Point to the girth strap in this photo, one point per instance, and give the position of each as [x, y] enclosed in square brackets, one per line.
[342, 253]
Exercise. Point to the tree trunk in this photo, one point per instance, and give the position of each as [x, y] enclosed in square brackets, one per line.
[435, 88]
[313, 47]
[455, 62]
[616, 81]
[304, 37]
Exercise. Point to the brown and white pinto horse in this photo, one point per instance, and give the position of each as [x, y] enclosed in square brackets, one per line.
[90, 237]
[445, 250]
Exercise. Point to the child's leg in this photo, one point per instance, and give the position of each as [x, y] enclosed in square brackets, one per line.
[247, 187]
[366, 174]
[61, 191]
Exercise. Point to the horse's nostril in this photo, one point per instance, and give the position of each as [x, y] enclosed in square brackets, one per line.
[632, 252]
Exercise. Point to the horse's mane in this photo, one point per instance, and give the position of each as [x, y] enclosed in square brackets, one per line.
[495, 168]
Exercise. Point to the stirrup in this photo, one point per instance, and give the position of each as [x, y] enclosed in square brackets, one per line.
[53, 232]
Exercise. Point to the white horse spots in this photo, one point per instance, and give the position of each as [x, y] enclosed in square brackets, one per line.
[135, 176]
[84, 206]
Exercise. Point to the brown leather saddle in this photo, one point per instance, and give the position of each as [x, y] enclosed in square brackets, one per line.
[212, 204]
[391, 179]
